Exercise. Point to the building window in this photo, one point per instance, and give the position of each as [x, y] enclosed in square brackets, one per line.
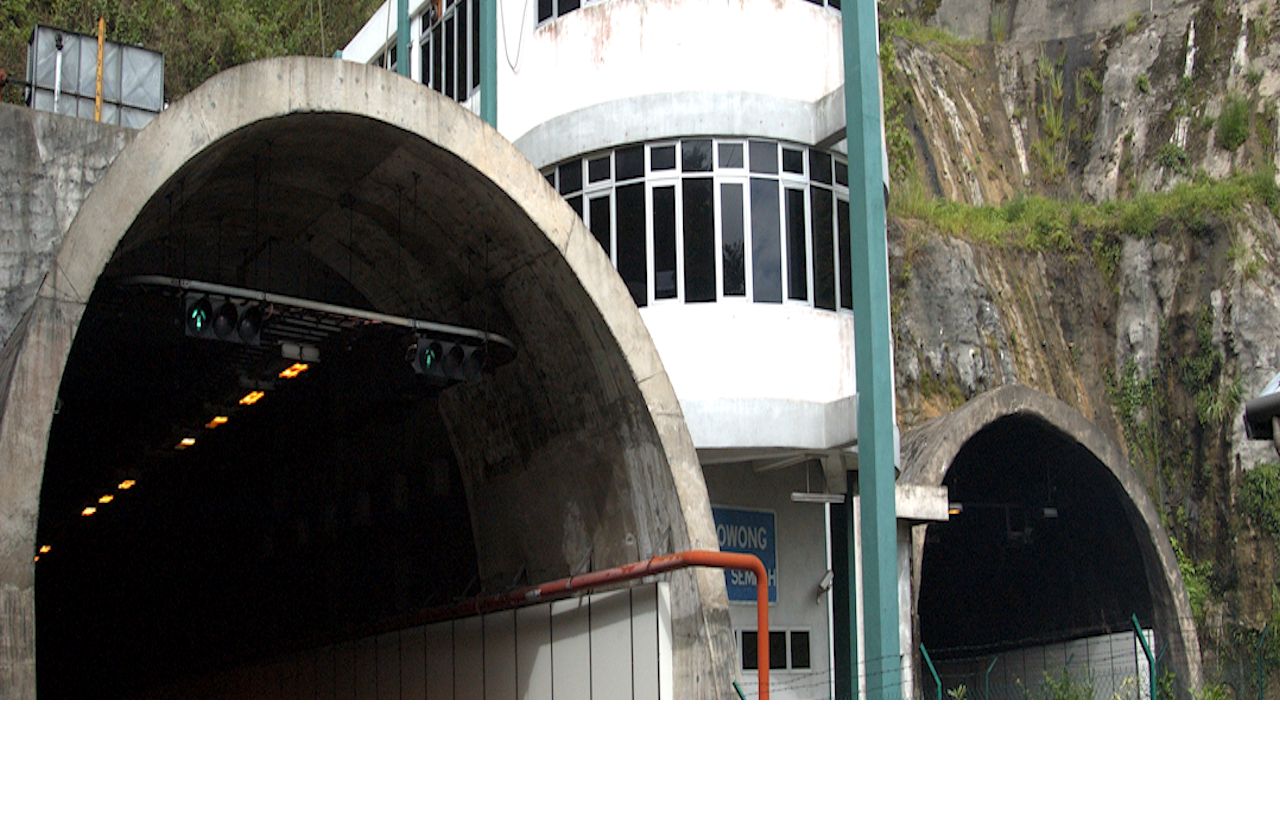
[704, 220]
[788, 650]
[451, 49]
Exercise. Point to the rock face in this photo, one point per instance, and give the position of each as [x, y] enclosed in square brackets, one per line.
[1156, 327]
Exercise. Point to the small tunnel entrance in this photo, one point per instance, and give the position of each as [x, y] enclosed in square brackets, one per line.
[1038, 549]
[1030, 588]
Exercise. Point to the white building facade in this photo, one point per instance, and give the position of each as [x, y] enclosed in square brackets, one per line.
[701, 142]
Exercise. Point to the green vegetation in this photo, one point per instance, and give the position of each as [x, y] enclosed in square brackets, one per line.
[1062, 686]
[1196, 578]
[1233, 123]
[1143, 83]
[1050, 149]
[1260, 497]
[1039, 223]
[1201, 376]
[198, 37]
[1132, 396]
[1173, 158]
[897, 102]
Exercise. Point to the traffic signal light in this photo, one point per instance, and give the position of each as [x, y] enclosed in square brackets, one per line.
[446, 361]
[220, 318]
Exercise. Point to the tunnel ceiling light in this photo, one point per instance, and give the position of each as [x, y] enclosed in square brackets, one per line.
[216, 421]
[1050, 513]
[252, 398]
[106, 499]
[127, 484]
[88, 511]
[185, 442]
[294, 370]
[955, 509]
[45, 549]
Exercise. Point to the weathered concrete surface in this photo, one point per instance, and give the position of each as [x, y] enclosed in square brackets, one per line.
[574, 456]
[51, 162]
[928, 452]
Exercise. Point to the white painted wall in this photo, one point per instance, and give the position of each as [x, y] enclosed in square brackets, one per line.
[618, 49]
[738, 349]
[802, 561]
[613, 645]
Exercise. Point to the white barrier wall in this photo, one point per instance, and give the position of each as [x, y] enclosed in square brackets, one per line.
[605, 646]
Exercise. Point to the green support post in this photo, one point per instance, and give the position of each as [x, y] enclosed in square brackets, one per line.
[873, 364]
[402, 37]
[489, 62]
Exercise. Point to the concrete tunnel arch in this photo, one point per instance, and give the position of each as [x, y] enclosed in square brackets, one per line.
[580, 445]
[930, 451]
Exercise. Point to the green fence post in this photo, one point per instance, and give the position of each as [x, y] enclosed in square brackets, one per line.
[929, 662]
[1146, 648]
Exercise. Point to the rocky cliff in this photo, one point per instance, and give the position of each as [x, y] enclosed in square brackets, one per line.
[1085, 200]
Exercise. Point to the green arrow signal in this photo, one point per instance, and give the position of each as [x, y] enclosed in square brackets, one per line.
[199, 317]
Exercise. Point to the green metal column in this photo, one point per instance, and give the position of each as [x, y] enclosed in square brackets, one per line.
[489, 62]
[403, 59]
[873, 366]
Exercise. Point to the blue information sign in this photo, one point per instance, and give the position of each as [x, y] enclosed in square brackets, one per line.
[747, 531]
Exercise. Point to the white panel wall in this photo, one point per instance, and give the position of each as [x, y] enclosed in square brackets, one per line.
[614, 645]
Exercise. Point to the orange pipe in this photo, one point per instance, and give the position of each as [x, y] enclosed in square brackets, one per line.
[569, 586]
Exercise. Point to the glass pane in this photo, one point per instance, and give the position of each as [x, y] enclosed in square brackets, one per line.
[797, 254]
[792, 161]
[695, 156]
[567, 6]
[819, 166]
[842, 173]
[699, 240]
[598, 169]
[571, 176]
[766, 242]
[843, 254]
[764, 157]
[835, 4]
[602, 222]
[750, 653]
[799, 650]
[449, 74]
[576, 204]
[426, 61]
[630, 163]
[437, 58]
[662, 158]
[731, 156]
[733, 251]
[777, 649]
[632, 264]
[824, 266]
[545, 10]
[664, 243]
[464, 52]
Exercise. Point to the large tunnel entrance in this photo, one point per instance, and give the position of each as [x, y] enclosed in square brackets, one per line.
[330, 506]
[357, 492]
[1032, 585]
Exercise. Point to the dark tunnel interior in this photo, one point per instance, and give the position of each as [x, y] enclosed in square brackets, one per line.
[331, 505]
[1038, 548]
